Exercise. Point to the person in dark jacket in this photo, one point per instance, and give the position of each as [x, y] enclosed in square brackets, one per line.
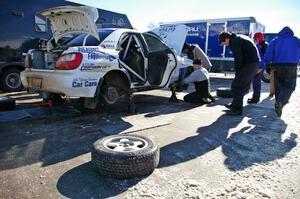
[261, 45]
[283, 53]
[200, 77]
[246, 61]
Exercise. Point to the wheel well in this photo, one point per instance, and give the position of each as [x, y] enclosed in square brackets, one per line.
[118, 78]
[20, 67]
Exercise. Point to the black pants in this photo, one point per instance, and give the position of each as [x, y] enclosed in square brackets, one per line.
[241, 84]
[285, 78]
[202, 91]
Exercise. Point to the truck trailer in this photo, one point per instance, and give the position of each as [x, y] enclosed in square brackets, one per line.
[205, 33]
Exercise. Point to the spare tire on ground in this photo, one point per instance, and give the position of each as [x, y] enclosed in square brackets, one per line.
[224, 92]
[125, 156]
[7, 104]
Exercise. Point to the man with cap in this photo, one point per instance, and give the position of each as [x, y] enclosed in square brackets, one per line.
[246, 61]
[194, 52]
[200, 78]
[261, 45]
[284, 54]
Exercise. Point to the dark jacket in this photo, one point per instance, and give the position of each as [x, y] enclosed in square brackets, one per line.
[262, 48]
[284, 49]
[244, 50]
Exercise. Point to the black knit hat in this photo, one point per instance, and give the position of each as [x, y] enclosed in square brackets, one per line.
[197, 61]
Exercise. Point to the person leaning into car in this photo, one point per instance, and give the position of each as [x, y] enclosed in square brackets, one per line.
[200, 78]
[246, 62]
[194, 52]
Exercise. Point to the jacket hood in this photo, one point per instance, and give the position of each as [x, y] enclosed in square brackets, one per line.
[285, 32]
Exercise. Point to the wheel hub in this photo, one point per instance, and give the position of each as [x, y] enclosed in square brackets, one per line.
[126, 144]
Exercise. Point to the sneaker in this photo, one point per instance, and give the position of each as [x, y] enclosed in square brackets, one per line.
[278, 108]
[229, 106]
[205, 100]
[252, 101]
[234, 112]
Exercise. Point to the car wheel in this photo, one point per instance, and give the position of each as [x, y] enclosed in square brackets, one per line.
[266, 76]
[125, 156]
[111, 94]
[10, 80]
[7, 104]
[224, 92]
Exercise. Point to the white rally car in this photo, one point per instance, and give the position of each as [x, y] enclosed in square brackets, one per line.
[105, 63]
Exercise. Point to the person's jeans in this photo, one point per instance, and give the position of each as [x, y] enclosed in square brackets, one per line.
[256, 84]
[285, 78]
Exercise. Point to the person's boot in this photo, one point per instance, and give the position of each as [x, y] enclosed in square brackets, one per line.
[234, 112]
[278, 108]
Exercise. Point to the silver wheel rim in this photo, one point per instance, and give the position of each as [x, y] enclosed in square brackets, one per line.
[125, 144]
[13, 80]
[112, 95]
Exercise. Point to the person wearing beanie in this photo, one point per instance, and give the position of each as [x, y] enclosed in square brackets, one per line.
[261, 45]
[283, 53]
[246, 61]
[194, 52]
[200, 78]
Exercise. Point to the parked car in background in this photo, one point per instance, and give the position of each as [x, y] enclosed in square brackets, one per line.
[22, 28]
[102, 64]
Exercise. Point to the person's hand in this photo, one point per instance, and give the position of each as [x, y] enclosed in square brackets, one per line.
[258, 71]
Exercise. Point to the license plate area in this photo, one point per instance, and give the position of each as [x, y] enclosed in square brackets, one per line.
[35, 83]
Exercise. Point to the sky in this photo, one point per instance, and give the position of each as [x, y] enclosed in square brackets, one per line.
[274, 14]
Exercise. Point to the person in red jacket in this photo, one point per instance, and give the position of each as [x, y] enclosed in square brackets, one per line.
[261, 45]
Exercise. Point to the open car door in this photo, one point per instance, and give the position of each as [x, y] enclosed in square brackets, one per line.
[161, 59]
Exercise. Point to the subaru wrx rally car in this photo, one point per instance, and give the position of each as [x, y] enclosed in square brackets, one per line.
[102, 64]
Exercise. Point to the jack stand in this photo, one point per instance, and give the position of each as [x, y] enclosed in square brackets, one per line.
[48, 104]
[173, 97]
[131, 106]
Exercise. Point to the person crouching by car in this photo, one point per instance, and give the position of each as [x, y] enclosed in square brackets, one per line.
[200, 78]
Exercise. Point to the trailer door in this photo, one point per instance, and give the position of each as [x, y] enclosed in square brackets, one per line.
[214, 49]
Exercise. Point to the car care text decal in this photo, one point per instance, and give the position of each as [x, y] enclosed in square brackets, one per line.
[84, 82]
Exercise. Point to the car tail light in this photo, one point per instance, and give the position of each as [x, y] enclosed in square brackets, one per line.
[27, 61]
[69, 61]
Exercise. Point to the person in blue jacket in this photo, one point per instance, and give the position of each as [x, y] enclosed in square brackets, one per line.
[261, 45]
[283, 53]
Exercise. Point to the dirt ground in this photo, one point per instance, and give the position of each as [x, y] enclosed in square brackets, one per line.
[203, 152]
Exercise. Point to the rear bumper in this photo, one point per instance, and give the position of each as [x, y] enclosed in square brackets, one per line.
[69, 83]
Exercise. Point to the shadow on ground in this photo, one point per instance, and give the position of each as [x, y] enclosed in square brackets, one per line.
[84, 182]
[259, 141]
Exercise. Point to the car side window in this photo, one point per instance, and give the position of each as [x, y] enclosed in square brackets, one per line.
[154, 44]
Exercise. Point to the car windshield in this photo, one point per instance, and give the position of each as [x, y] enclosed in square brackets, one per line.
[90, 41]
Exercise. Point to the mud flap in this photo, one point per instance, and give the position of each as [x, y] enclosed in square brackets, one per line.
[92, 102]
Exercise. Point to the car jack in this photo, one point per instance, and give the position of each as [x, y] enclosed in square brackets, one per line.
[173, 97]
[131, 105]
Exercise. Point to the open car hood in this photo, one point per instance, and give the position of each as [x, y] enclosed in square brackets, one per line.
[66, 20]
[173, 35]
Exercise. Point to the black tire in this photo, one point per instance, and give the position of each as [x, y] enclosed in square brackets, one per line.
[7, 104]
[10, 80]
[224, 92]
[266, 76]
[136, 159]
